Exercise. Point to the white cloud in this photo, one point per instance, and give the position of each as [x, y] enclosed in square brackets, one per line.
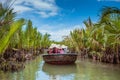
[21, 9]
[46, 15]
[45, 8]
[57, 35]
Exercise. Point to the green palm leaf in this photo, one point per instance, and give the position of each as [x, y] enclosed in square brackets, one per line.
[4, 41]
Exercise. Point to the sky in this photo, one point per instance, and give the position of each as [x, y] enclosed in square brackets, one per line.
[59, 17]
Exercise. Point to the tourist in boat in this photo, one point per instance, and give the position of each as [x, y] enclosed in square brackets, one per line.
[50, 51]
[55, 50]
[61, 51]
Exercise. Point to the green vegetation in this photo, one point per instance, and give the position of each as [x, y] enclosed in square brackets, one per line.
[19, 40]
[100, 40]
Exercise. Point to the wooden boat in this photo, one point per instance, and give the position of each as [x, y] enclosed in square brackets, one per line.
[69, 58]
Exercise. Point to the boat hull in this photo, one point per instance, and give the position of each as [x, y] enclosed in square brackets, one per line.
[60, 58]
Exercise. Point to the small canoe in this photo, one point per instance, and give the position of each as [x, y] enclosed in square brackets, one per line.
[69, 58]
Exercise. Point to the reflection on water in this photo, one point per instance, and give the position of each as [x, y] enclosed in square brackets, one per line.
[59, 69]
[82, 70]
[55, 72]
[87, 70]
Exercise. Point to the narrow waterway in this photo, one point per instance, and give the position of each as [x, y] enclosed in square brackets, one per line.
[81, 70]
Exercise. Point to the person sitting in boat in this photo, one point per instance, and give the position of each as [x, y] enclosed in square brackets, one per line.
[50, 51]
[61, 51]
[55, 50]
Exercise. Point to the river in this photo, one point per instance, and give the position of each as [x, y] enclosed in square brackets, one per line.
[81, 70]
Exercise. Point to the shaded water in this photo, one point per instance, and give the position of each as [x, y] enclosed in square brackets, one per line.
[82, 70]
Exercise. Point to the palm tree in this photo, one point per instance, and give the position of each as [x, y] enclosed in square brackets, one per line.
[76, 39]
[4, 41]
[101, 36]
[7, 25]
[6, 17]
[106, 13]
[45, 42]
[107, 29]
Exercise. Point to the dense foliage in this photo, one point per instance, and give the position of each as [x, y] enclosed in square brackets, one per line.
[100, 40]
[19, 33]
[19, 40]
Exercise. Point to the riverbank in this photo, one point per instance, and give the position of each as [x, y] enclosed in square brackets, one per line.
[106, 56]
[14, 59]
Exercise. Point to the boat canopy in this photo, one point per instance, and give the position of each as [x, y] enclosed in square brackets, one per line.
[58, 46]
